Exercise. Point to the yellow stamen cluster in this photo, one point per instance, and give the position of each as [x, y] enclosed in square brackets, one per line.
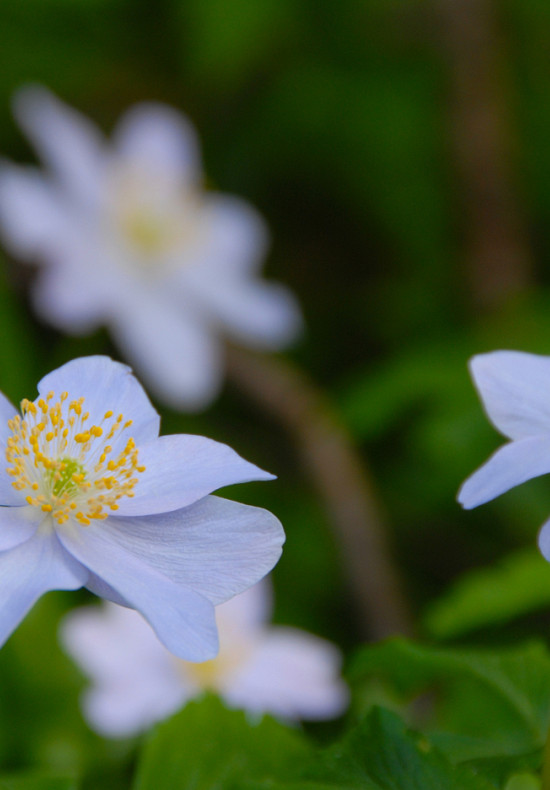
[65, 464]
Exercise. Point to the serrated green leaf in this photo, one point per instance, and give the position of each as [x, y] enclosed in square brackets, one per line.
[485, 703]
[382, 753]
[518, 585]
[207, 747]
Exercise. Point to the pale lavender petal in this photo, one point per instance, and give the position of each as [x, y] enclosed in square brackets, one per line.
[291, 674]
[215, 546]
[30, 570]
[172, 350]
[66, 140]
[256, 313]
[73, 296]
[514, 388]
[248, 612]
[105, 385]
[235, 237]
[511, 465]
[183, 620]
[17, 523]
[159, 140]
[136, 682]
[33, 218]
[181, 469]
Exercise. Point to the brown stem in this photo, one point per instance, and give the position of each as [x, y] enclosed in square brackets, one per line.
[499, 255]
[341, 479]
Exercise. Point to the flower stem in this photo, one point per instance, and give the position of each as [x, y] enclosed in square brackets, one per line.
[342, 480]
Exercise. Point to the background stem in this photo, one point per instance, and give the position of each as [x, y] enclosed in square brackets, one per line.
[341, 479]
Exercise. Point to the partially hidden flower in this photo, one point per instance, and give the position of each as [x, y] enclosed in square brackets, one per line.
[260, 667]
[127, 237]
[514, 387]
[92, 496]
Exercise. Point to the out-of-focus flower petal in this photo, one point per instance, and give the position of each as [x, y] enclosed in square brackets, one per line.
[291, 674]
[177, 354]
[258, 314]
[67, 141]
[131, 240]
[237, 239]
[160, 140]
[137, 681]
[32, 214]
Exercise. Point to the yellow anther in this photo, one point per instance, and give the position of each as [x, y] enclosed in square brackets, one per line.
[50, 456]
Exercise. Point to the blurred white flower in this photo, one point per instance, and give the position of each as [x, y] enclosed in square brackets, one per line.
[128, 238]
[92, 496]
[514, 387]
[260, 668]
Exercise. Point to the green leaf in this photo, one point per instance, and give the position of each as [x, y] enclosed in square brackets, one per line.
[483, 703]
[523, 782]
[37, 781]
[518, 585]
[382, 753]
[207, 747]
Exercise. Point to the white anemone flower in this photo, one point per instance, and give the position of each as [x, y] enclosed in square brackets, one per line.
[514, 387]
[260, 668]
[127, 237]
[92, 496]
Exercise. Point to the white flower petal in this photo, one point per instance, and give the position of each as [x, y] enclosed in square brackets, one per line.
[511, 465]
[136, 681]
[247, 612]
[71, 297]
[258, 314]
[30, 570]
[159, 140]
[32, 216]
[17, 523]
[514, 388]
[172, 350]
[105, 385]
[103, 590]
[235, 238]
[67, 141]
[181, 469]
[215, 546]
[183, 620]
[291, 674]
